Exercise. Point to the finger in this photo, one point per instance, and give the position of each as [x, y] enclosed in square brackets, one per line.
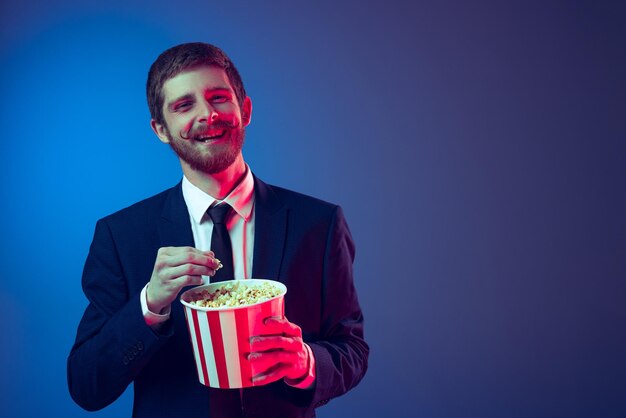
[217, 263]
[267, 343]
[277, 372]
[195, 257]
[275, 325]
[263, 361]
[292, 365]
[188, 256]
[186, 269]
[168, 251]
[187, 280]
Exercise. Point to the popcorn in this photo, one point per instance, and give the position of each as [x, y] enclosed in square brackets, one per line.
[235, 293]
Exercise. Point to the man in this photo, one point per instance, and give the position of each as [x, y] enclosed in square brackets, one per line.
[142, 257]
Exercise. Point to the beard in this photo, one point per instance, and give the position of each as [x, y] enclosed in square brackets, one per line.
[209, 158]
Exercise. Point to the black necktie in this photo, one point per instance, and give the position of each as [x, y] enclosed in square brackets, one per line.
[220, 242]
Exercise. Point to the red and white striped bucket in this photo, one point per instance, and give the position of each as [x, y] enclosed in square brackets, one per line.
[220, 337]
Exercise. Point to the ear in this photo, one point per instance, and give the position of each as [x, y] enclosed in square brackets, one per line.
[246, 111]
[160, 131]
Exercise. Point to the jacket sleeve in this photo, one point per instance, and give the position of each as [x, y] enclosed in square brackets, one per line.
[341, 354]
[113, 342]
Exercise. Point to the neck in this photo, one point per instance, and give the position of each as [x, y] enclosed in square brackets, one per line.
[217, 185]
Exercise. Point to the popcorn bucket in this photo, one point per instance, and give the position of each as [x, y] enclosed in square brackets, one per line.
[220, 337]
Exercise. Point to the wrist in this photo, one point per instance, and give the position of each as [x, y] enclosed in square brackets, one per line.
[153, 315]
[306, 381]
[157, 308]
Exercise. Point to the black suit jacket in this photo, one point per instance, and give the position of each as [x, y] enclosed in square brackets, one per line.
[301, 241]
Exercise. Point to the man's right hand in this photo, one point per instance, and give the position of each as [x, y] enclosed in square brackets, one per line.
[175, 268]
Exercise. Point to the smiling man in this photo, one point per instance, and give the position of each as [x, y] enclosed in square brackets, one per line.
[142, 257]
[202, 108]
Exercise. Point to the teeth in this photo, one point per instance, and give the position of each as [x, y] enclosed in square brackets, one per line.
[210, 136]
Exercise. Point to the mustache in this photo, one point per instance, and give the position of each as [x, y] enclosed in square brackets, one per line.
[204, 130]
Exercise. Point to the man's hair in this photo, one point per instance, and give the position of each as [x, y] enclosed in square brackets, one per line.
[185, 57]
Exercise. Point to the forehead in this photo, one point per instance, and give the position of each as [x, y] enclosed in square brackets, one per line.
[194, 80]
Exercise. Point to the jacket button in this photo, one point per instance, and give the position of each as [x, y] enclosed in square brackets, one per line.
[139, 346]
[125, 360]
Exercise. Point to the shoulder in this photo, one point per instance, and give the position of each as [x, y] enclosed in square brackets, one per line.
[298, 198]
[293, 200]
[146, 210]
[306, 214]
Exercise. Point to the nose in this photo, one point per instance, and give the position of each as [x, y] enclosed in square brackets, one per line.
[207, 114]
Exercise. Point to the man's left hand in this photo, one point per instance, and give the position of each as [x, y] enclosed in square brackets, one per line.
[279, 354]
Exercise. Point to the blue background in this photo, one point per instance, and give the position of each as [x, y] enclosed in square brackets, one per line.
[478, 149]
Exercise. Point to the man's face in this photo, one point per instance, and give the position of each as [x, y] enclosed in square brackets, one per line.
[204, 123]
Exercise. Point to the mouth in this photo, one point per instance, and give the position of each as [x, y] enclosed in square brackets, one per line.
[210, 135]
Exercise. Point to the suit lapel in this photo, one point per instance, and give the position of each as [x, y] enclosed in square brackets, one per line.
[174, 226]
[270, 232]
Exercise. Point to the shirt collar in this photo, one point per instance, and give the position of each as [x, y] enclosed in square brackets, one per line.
[241, 198]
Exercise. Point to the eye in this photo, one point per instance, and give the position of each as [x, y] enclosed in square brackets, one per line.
[182, 106]
[219, 98]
